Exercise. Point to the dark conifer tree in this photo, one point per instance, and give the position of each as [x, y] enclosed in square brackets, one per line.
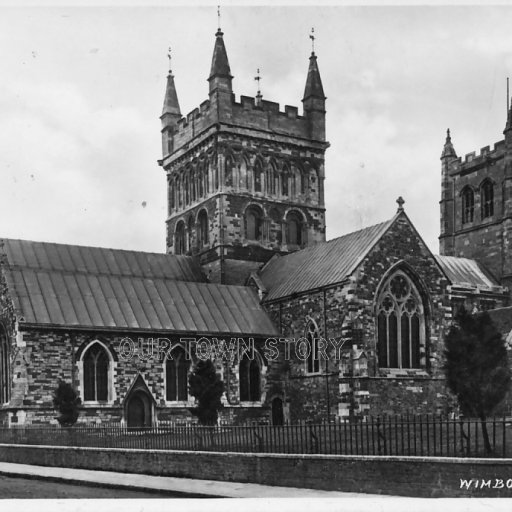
[206, 386]
[67, 402]
[476, 366]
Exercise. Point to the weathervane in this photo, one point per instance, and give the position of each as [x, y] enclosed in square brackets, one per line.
[169, 57]
[218, 15]
[312, 37]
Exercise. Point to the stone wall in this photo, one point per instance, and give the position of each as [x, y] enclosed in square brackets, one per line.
[42, 357]
[346, 311]
[431, 477]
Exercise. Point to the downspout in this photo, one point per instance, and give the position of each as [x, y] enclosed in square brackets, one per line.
[326, 361]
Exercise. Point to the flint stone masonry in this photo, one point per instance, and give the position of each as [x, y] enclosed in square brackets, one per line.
[432, 477]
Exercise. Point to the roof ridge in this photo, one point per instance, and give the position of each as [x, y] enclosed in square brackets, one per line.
[177, 256]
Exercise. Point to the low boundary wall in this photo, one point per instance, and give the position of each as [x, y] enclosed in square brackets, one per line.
[403, 476]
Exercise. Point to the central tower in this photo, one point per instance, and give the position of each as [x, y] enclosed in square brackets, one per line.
[245, 180]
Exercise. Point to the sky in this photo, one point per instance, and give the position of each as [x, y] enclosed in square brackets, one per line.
[81, 92]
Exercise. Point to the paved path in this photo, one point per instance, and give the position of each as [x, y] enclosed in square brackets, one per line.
[169, 485]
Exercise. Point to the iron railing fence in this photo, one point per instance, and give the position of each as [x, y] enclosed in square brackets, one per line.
[384, 435]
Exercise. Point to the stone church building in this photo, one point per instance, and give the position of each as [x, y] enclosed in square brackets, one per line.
[347, 327]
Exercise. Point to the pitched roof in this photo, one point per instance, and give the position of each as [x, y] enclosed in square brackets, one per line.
[90, 287]
[321, 264]
[466, 272]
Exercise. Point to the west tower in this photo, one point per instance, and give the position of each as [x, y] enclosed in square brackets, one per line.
[476, 205]
[245, 179]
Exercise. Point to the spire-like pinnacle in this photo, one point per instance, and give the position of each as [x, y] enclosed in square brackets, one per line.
[220, 65]
[448, 149]
[171, 104]
[508, 126]
[314, 86]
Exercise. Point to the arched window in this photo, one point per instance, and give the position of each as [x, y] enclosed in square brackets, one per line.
[200, 181]
[258, 177]
[96, 367]
[313, 361]
[284, 181]
[179, 192]
[253, 223]
[176, 376]
[202, 221]
[187, 189]
[190, 233]
[4, 367]
[275, 226]
[171, 193]
[400, 323]
[250, 379]
[229, 171]
[179, 238]
[468, 205]
[487, 199]
[293, 229]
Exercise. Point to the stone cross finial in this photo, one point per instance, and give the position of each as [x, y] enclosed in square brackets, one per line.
[400, 201]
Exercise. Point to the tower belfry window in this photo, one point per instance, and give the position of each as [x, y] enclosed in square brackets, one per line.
[487, 199]
[468, 205]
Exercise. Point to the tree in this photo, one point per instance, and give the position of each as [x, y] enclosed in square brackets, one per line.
[206, 387]
[476, 366]
[67, 402]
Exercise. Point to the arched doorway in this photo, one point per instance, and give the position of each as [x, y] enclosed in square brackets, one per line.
[277, 411]
[136, 411]
[139, 405]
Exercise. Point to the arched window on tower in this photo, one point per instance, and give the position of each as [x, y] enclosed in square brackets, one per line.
[200, 181]
[258, 177]
[400, 323]
[312, 337]
[4, 367]
[293, 229]
[179, 238]
[203, 234]
[250, 379]
[468, 205]
[190, 234]
[96, 363]
[229, 171]
[253, 223]
[285, 175]
[487, 199]
[193, 187]
[176, 376]
[171, 194]
[187, 189]
[179, 192]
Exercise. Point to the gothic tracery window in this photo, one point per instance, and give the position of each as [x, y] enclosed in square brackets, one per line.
[96, 368]
[487, 199]
[468, 205]
[258, 177]
[229, 171]
[400, 324]
[176, 376]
